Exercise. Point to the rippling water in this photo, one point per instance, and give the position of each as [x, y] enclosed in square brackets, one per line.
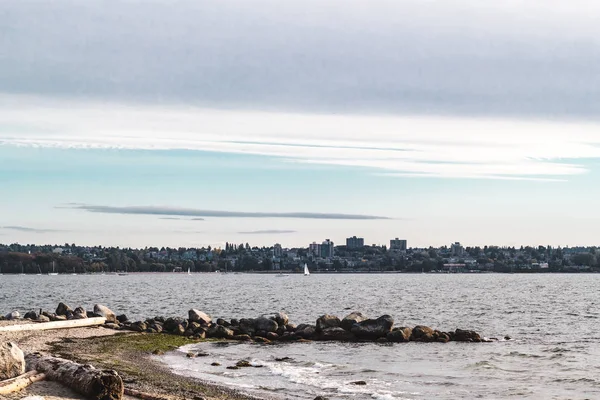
[554, 321]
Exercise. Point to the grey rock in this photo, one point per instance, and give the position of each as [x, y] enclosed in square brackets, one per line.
[62, 309]
[12, 361]
[399, 335]
[265, 324]
[351, 319]
[32, 315]
[327, 321]
[105, 312]
[199, 316]
[373, 329]
[12, 315]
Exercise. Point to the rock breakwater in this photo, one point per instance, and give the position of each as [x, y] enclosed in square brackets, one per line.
[268, 328]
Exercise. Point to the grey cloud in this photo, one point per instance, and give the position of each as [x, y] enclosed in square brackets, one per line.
[338, 56]
[266, 232]
[28, 229]
[192, 212]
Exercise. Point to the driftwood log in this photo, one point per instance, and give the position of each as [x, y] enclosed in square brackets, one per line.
[20, 382]
[73, 323]
[143, 395]
[93, 383]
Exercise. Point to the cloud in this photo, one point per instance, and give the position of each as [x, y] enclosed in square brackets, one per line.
[190, 212]
[422, 147]
[266, 232]
[451, 57]
[28, 229]
[182, 219]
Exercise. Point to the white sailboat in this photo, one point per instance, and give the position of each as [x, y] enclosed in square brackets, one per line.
[306, 271]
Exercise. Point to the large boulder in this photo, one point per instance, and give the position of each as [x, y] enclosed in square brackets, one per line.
[105, 312]
[265, 324]
[422, 334]
[306, 331]
[246, 326]
[199, 316]
[12, 315]
[327, 321]
[351, 319]
[62, 309]
[281, 318]
[12, 361]
[372, 329]
[461, 335]
[399, 335]
[173, 324]
[79, 313]
[32, 315]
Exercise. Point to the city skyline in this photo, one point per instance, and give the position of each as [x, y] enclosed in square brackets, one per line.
[261, 121]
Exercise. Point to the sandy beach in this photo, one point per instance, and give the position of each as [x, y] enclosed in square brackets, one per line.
[131, 358]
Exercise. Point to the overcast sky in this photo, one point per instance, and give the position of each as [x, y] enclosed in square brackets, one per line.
[442, 117]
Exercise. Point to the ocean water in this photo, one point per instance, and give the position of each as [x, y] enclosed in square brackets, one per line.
[553, 321]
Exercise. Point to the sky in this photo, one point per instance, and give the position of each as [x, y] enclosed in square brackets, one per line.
[195, 123]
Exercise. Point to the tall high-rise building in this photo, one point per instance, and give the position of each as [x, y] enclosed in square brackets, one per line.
[457, 249]
[355, 242]
[277, 250]
[327, 249]
[315, 249]
[397, 245]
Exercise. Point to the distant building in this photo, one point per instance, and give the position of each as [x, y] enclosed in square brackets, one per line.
[397, 245]
[457, 249]
[315, 249]
[277, 250]
[327, 249]
[355, 242]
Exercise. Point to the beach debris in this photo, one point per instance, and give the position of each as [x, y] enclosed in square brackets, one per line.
[12, 360]
[20, 382]
[103, 311]
[93, 383]
[74, 323]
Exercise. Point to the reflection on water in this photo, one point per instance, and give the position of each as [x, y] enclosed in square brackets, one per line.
[554, 320]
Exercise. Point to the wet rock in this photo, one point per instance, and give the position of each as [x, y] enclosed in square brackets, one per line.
[12, 361]
[284, 359]
[233, 367]
[372, 329]
[272, 336]
[265, 324]
[351, 319]
[461, 335]
[122, 318]
[259, 339]
[111, 325]
[62, 309]
[242, 337]
[234, 322]
[337, 334]
[222, 322]
[291, 327]
[247, 326]
[327, 321]
[105, 312]
[507, 337]
[399, 335]
[281, 318]
[359, 383]
[138, 326]
[243, 364]
[12, 315]
[174, 324]
[222, 332]
[200, 335]
[199, 316]
[422, 333]
[32, 315]
[215, 364]
[306, 331]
